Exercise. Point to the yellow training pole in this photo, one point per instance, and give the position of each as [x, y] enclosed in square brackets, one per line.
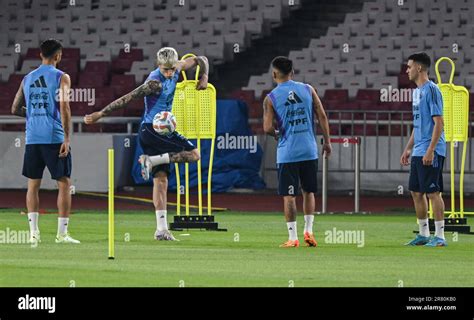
[430, 210]
[461, 180]
[186, 177]
[209, 178]
[453, 188]
[178, 190]
[111, 203]
[199, 179]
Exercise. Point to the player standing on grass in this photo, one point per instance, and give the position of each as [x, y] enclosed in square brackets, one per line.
[293, 105]
[427, 148]
[160, 150]
[48, 127]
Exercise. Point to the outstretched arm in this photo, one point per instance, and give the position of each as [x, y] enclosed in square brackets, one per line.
[149, 87]
[203, 64]
[18, 106]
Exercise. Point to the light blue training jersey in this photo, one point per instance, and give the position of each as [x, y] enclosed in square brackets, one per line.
[163, 100]
[43, 119]
[293, 105]
[427, 103]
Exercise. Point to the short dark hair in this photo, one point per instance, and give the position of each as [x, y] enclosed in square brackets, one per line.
[421, 58]
[282, 64]
[50, 47]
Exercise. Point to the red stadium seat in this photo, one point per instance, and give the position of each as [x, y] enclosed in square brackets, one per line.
[134, 109]
[8, 91]
[368, 95]
[92, 79]
[5, 106]
[122, 84]
[121, 65]
[133, 55]
[32, 53]
[71, 54]
[106, 93]
[14, 80]
[80, 108]
[340, 95]
[97, 66]
[69, 65]
[13, 127]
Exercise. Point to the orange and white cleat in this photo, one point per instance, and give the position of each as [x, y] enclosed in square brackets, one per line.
[309, 239]
[290, 244]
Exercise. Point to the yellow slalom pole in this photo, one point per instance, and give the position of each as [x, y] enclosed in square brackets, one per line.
[430, 210]
[111, 204]
[461, 180]
[209, 178]
[453, 188]
[186, 177]
[178, 190]
[199, 179]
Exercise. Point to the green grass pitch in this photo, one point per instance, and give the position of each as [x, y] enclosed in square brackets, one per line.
[246, 255]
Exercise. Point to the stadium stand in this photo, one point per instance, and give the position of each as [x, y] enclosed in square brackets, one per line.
[347, 49]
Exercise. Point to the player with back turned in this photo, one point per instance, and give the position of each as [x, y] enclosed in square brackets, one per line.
[43, 100]
[293, 105]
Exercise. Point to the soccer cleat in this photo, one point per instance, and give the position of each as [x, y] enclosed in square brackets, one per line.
[35, 237]
[418, 241]
[146, 166]
[66, 238]
[290, 244]
[309, 239]
[164, 236]
[437, 242]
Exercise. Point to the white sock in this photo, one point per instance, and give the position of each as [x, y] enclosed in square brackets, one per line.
[308, 223]
[292, 230]
[439, 229]
[62, 225]
[33, 221]
[424, 227]
[161, 223]
[160, 159]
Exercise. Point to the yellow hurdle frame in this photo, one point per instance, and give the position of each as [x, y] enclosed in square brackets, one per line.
[195, 112]
[456, 124]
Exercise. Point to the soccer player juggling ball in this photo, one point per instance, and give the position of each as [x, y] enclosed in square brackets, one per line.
[160, 150]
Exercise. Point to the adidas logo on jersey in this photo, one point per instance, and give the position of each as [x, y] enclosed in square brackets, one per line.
[292, 99]
[39, 83]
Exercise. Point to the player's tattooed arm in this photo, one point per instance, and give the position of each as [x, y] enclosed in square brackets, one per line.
[18, 106]
[268, 118]
[323, 121]
[146, 89]
[149, 87]
[203, 64]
